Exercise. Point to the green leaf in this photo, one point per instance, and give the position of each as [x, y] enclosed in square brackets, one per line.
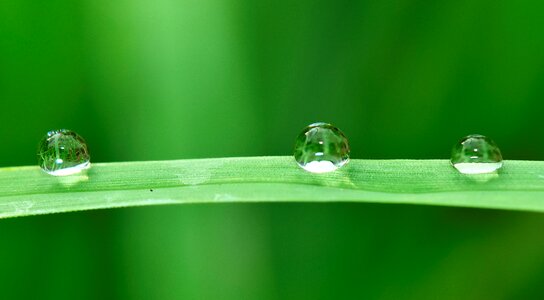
[24, 191]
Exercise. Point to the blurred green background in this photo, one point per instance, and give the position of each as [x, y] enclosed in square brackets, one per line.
[164, 79]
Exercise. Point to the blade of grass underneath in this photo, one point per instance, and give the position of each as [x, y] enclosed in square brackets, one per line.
[28, 191]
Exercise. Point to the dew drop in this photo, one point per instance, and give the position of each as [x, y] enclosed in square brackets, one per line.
[476, 154]
[63, 152]
[321, 148]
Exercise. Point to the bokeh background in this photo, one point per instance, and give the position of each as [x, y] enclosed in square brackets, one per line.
[164, 79]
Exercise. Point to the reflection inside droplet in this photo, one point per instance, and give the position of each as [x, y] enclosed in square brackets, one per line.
[323, 166]
[477, 168]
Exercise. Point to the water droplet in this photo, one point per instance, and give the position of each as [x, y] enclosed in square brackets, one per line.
[476, 154]
[63, 152]
[321, 148]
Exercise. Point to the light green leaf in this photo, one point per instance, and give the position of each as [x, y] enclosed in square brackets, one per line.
[24, 191]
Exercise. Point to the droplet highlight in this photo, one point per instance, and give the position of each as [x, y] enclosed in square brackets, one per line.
[476, 154]
[321, 148]
[63, 152]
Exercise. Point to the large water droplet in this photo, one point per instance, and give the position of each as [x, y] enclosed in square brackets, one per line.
[321, 148]
[476, 154]
[63, 152]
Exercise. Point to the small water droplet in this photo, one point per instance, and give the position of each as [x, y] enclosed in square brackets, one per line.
[63, 152]
[321, 148]
[476, 154]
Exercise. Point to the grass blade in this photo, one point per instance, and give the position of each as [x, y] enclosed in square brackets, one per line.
[28, 191]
